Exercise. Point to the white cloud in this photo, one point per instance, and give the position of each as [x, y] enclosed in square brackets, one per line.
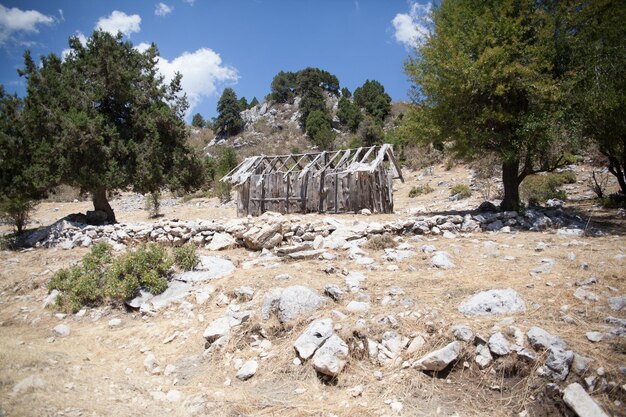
[414, 27]
[142, 47]
[202, 72]
[162, 9]
[190, 2]
[15, 21]
[120, 21]
[83, 40]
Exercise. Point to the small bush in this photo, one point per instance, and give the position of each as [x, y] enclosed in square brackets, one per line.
[99, 277]
[222, 191]
[83, 285]
[380, 242]
[615, 200]
[153, 204]
[461, 191]
[419, 190]
[147, 268]
[16, 211]
[537, 189]
[185, 257]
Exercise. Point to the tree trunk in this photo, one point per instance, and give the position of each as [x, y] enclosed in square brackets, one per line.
[510, 181]
[618, 172]
[101, 203]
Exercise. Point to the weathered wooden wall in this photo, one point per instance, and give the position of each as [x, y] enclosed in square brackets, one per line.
[326, 192]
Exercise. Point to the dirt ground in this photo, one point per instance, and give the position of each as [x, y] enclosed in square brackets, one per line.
[98, 370]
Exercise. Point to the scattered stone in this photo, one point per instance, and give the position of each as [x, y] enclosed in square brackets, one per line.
[544, 267]
[282, 277]
[557, 364]
[499, 301]
[174, 395]
[462, 332]
[439, 359]
[313, 337]
[29, 384]
[595, 337]
[353, 281]
[396, 407]
[587, 281]
[297, 300]
[617, 303]
[51, 298]
[355, 391]
[580, 364]
[581, 403]
[442, 260]
[334, 292]
[499, 345]
[483, 356]
[358, 307]
[266, 236]
[541, 339]
[209, 267]
[248, 370]
[221, 241]
[62, 330]
[583, 294]
[331, 357]
[115, 322]
[416, 344]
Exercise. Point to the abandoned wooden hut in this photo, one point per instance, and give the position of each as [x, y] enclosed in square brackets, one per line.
[343, 181]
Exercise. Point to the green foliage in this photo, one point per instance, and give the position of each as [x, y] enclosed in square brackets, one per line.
[319, 130]
[296, 150]
[345, 93]
[537, 189]
[487, 78]
[23, 173]
[16, 211]
[99, 277]
[372, 97]
[283, 87]
[613, 201]
[253, 103]
[210, 169]
[147, 267]
[83, 285]
[105, 120]
[185, 257]
[153, 204]
[461, 191]
[226, 162]
[420, 190]
[370, 131]
[222, 191]
[595, 85]
[243, 104]
[349, 114]
[229, 121]
[198, 121]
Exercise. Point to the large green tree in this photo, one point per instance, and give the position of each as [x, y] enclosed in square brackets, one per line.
[372, 97]
[486, 78]
[596, 82]
[198, 121]
[319, 129]
[105, 120]
[349, 113]
[229, 121]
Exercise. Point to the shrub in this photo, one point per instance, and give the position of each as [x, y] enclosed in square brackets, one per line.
[99, 277]
[185, 257]
[615, 200]
[83, 285]
[153, 204]
[147, 267]
[461, 191]
[537, 189]
[16, 211]
[222, 191]
[379, 242]
[419, 190]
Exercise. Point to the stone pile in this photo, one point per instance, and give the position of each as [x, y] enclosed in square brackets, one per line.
[291, 234]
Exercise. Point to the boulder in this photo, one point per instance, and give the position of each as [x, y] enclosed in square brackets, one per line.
[617, 303]
[221, 241]
[462, 332]
[557, 364]
[541, 339]
[581, 403]
[442, 260]
[266, 236]
[297, 300]
[439, 359]
[248, 370]
[498, 301]
[331, 358]
[209, 267]
[313, 337]
[499, 345]
[483, 356]
[62, 330]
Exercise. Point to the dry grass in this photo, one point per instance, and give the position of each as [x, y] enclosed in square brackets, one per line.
[88, 371]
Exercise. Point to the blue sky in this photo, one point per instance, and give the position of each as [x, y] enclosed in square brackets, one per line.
[229, 43]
